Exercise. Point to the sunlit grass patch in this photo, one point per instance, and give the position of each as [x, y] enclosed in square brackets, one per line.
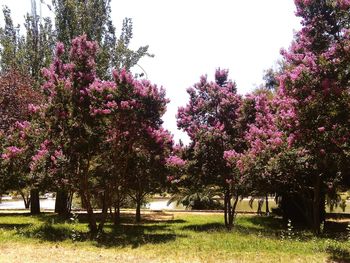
[165, 237]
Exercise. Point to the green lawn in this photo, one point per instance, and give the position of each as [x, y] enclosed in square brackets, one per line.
[167, 237]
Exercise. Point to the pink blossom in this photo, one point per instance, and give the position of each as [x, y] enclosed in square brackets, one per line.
[11, 152]
[106, 111]
[175, 161]
[33, 108]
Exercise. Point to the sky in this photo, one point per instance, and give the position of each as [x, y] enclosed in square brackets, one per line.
[190, 38]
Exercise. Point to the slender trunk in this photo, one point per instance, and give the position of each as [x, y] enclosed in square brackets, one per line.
[26, 200]
[316, 205]
[62, 203]
[267, 204]
[105, 205]
[138, 209]
[70, 201]
[85, 198]
[34, 201]
[228, 211]
[233, 211]
[117, 211]
[225, 208]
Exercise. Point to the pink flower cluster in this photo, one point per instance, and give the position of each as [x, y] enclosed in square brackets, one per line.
[40, 155]
[11, 152]
[175, 161]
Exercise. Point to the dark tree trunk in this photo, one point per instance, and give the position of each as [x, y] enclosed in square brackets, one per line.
[117, 211]
[226, 200]
[34, 201]
[26, 200]
[138, 210]
[316, 205]
[62, 203]
[105, 205]
[85, 198]
[267, 204]
[229, 210]
[233, 211]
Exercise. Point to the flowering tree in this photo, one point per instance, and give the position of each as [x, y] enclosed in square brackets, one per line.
[210, 119]
[17, 98]
[315, 80]
[107, 134]
[20, 156]
[131, 111]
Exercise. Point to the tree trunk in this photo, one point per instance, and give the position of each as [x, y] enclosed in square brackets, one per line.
[34, 201]
[233, 211]
[138, 210]
[267, 204]
[62, 203]
[228, 211]
[105, 205]
[316, 205]
[226, 200]
[85, 198]
[26, 200]
[117, 212]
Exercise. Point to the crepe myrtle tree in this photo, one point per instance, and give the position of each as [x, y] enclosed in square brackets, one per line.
[130, 111]
[23, 151]
[17, 98]
[263, 140]
[316, 79]
[210, 119]
[71, 129]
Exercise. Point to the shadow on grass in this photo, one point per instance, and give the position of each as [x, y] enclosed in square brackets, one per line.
[115, 236]
[14, 226]
[208, 227]
[46, 232]
[337, 254]
[125, 234]
[246, 225]
[136, 235]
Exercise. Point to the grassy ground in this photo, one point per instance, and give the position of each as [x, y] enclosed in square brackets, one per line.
[167, 237]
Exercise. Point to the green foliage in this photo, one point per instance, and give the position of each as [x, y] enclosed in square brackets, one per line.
[74, 18]
[28, 52]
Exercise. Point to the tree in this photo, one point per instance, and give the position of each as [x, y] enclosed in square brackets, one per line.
[74, 18]
[17, 99]
[137, 144]
[27, 53]
[85, 117]
[316, 80]
[92, 18]
[210, 119]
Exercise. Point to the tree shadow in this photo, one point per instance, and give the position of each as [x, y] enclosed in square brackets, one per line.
[338, 254]
[336, 230]
[47, 232]
[208, 227]
[14, 226]
[135, 235]
[246, 225]
[125, 234]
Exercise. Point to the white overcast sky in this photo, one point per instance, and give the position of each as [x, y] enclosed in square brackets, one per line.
[191, 38]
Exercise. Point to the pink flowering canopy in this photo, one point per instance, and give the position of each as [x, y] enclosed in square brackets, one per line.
[313, 99]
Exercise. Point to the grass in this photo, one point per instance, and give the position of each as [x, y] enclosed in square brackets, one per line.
[167, 237]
